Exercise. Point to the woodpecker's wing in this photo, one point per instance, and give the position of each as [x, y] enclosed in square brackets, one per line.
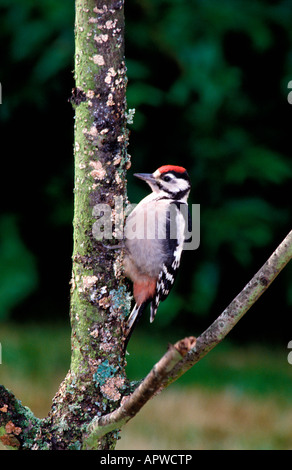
[176, 224]
[164, 284]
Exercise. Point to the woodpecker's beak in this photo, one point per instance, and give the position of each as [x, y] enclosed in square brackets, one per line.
[148, 177]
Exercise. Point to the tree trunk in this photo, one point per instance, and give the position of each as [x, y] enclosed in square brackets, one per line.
[99, 300]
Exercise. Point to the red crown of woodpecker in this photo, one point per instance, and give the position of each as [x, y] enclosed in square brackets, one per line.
[167, 168]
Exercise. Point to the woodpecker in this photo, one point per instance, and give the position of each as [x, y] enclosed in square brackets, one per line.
[154, 238]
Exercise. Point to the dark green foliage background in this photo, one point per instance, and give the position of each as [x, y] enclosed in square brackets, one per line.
[208, 81]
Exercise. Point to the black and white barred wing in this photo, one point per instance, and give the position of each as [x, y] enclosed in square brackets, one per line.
[177, 223]
[164, 284]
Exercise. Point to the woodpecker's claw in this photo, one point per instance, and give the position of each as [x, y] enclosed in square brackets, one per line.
[113, 247]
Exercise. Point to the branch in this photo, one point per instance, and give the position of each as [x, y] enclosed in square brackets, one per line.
[237, 309]
[186, 353]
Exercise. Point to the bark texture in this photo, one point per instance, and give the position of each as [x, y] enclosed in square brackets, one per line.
[99, 299]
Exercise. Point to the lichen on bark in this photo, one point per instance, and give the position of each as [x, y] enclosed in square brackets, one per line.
[98, 297]
[101, 162]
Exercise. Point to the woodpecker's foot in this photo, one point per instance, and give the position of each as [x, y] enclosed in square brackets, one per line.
[119, 246]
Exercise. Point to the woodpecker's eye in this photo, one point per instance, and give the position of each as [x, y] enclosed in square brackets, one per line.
[166, 178]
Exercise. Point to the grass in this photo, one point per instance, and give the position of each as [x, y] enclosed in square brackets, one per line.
[199, 418]
[237, 397]
[35, 359]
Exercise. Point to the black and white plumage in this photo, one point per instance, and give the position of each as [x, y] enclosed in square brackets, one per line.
[154, 239]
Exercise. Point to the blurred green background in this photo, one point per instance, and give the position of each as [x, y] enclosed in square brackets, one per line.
[208, 81]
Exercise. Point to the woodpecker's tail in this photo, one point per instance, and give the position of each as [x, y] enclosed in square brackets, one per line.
[133, 320]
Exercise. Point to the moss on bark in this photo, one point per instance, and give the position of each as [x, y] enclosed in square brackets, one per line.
[100, 173]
